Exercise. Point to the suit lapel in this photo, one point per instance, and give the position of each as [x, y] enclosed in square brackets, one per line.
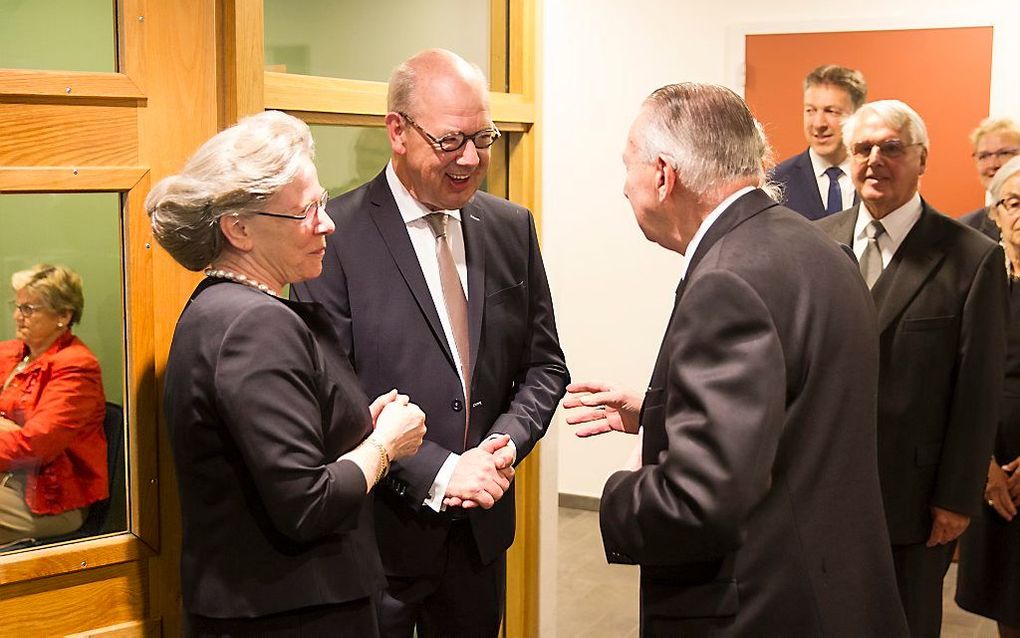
[843, 224]
[810, 183]
[387, 219]
[921, 251]
[473, 225]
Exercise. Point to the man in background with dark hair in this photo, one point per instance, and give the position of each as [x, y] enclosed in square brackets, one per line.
[817, 182]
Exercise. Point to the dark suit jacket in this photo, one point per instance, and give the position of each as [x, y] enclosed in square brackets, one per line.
[800, 186]
[757, 511]
[979, 220]
[259, 406]
[373, 288]
[941, 317]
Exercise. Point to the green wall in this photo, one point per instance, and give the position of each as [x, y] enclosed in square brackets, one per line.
[59, 35]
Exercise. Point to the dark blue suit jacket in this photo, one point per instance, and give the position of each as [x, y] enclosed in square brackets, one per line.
[979, 220]
[800, 186]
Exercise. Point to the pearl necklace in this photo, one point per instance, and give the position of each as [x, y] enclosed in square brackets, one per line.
[219, 273]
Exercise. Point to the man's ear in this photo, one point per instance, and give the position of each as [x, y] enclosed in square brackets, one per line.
[665, 178]
[237, 232]
[396, 127]
[924, 160]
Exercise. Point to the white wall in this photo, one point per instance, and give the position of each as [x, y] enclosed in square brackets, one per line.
[613, 290]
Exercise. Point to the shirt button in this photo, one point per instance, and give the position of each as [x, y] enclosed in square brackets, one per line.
[457, 405]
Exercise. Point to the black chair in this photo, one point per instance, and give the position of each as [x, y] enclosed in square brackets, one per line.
[98, 520]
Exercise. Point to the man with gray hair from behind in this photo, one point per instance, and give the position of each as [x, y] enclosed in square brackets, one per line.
[940, 291]
[755, 508]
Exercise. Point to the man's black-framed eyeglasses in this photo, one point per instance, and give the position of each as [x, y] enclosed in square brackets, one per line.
[455, 141]
[317, 205]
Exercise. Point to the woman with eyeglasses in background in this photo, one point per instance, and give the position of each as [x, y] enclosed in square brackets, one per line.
[988, 581]
[52, 446]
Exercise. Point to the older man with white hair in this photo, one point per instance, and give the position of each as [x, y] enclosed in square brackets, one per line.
[756, 509]
[940, 291]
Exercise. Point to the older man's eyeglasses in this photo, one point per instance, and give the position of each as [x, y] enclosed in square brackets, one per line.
[26, 309]
[1002, 154]
[317, 205]
[455, 141]
[890, 149]
[1010, 204]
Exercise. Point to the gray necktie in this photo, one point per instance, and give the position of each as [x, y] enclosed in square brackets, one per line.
[456, 302]
[871, 259]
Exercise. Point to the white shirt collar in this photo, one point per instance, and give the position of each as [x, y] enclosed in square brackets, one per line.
[707, 223]
[410, 209]
[897, 223]
[819, 165]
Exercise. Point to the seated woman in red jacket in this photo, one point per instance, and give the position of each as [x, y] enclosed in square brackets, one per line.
[52, 444]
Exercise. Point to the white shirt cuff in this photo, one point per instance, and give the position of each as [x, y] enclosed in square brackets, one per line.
[438, 490]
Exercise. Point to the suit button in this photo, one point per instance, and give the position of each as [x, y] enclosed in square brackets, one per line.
[457, 405]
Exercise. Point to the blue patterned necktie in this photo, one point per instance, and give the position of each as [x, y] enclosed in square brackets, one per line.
[835, 202]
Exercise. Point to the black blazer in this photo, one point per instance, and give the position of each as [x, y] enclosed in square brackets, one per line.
[259, 406]
[979, 220]
[757, 511]
[942, 323]
[800, 186]
[373, 288]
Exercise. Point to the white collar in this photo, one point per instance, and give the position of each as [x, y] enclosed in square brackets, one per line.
[897, 223]
[410, 208]
[819, 165]
[707, 223]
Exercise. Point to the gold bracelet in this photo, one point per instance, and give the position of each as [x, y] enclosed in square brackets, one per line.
[384, 458]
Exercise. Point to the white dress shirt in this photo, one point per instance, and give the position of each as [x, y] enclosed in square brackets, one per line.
[846, 185]
[897, 225]
[706, 224]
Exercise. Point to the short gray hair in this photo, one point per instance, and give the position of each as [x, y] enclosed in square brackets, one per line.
[894, 114]
[708, 134]
[401, 95]
[850, 80]
[58, 287]
[233, 173]
[1009, 169]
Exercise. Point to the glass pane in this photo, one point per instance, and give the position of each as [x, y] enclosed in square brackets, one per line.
[348, 156]
[81, 231]
[73, 35]
[361, 40]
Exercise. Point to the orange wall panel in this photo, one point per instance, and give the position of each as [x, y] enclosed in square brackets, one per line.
[944, 74]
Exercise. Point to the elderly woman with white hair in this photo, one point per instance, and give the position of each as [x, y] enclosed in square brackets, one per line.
[276, 446]
[989, 573]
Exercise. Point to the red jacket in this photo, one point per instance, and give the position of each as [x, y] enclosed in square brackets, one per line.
[58, 401]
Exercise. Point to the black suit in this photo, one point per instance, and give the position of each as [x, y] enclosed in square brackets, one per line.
[941, 318]
[260, 406]
[979, 220]
[373, 287]
[757, 511]
[800, 186]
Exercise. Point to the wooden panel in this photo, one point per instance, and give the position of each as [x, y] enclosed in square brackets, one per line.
[498, 53]
[70, 557]
[241, 58]
[75, 602]
[69, 178]
[291, 92]
[69, 86]
[951, 107]
[61, 135]
[134, 629]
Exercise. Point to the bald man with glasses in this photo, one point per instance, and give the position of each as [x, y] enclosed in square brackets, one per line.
[439, 290]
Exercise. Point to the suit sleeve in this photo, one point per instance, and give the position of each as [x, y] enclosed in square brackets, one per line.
[542, 377]
[266, 394]
[977, 394]
[724, 411]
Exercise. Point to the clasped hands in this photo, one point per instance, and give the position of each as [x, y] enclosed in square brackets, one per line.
[1002, 491]
[482, 474]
